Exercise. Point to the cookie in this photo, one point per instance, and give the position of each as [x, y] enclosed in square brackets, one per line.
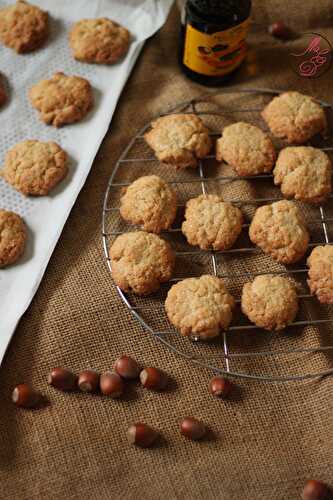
[200, 307]
[294, 117]
[13, 236]
[23, 27]
[150, 202]
[62, 99]
[246, 148]
[34, 167]
[304, 173]
[179, 139]
[141, 262]
[270, 302]
[211, 222]
[320, 280]
[100, 41]
[279, 230]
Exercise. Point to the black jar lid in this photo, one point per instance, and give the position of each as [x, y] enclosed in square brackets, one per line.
[220, 10]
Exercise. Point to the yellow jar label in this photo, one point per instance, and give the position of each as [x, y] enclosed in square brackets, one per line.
[215, 54]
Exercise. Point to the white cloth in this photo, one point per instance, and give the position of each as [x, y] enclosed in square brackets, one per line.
[46, 216]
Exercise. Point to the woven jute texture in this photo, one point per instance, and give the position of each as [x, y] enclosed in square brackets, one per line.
[266, 441]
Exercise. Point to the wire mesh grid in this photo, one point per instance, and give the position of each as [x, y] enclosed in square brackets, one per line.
[303, 350]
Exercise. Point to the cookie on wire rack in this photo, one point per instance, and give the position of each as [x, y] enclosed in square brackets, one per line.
[270, 302]
[279, 230]
[320, 280]
[179, 139]
[200, 307]
[13, 236]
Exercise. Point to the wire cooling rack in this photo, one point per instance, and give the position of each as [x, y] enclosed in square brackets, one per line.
[304, 349]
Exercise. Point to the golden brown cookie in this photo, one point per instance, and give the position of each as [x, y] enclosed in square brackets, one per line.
[279, 230]
[304, 173]
[270, 302]
[200, 307]
[246, 148]
[179, 139]
[141, 262]
[62, 99]
[34, 167]
[13, 236]
[294, 117]
[23, 27]
[320, 280]
[100, 41]
[150, 202]
[211, 222]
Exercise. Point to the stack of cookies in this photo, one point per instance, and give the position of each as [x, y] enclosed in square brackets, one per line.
[33, 167]
[202, 307]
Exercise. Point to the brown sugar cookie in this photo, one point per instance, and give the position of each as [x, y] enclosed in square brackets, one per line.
[320, 280]
[200, 307]
[294, 117]
[246, 148]
[304, 173]
[270, 302]
[179, 139]
[13, 236]
[150, 202]
[279, 230]
[34, 167]
[62, 99]
[23, 27]
[211, 222]
[141, 262]
[100, 41]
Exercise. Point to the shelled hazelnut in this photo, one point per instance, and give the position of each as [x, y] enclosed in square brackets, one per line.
[127, 367]
[315, 490]
[142, 435]
[220, 387]
[192, 428]
[111, 384]
[25, 397]
[153, 378]
[62, 379]
[88, 381]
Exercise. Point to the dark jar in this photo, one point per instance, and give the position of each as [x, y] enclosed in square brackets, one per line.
[213, 39]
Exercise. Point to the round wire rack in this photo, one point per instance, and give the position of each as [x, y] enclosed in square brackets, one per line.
[303, 350]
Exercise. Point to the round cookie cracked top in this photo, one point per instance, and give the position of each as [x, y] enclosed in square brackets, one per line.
[320, 280]
[304, 173]
[62, 99]
[279, 230]
[246, 148]
[13, 235]
[23, 27]
[141, 262]
[294, 117]
[179, 139]
[150, 202]
[200, 307]
[34, 167]
[270, 302]
[100, 41]
[211, 222]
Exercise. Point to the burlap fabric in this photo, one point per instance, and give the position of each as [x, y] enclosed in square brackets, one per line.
[268, 439]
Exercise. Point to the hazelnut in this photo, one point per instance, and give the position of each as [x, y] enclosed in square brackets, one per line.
[62, 379]
[142, 435]
[88, 381]
[111, 384]
[25, 397]
[192, 428]
[153, 378]
[279, 30]
[314, 490]
[127, 367]
[219, 387]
